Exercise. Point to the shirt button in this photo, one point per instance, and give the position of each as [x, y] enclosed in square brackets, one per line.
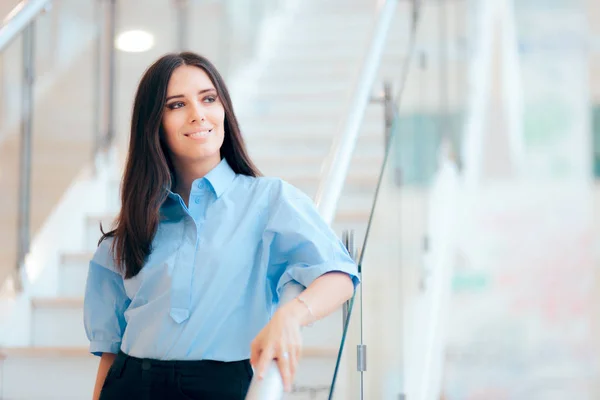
[197, 200]
[145, 365]
[200, 184]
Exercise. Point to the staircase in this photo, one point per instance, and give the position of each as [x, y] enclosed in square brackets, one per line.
[289, 123]
[62, 139]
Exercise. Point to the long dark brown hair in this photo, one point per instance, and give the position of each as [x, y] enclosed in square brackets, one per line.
[149, 170]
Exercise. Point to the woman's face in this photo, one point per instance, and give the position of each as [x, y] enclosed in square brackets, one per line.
[194, 117]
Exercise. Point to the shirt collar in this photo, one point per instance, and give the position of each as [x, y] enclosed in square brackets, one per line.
[220, 178]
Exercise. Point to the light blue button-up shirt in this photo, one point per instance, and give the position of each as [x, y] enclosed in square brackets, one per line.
[216, 271]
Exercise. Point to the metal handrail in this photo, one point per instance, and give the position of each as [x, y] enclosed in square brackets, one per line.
[336, 169]
[19, 19]
[338, 160]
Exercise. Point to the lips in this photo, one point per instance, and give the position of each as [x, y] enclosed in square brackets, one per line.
[199, 134]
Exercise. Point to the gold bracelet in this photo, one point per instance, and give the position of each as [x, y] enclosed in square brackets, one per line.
[310, 311]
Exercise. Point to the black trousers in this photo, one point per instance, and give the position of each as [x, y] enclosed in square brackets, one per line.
[131, 378]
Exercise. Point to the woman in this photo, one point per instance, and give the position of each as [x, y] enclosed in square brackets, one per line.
[182, 296]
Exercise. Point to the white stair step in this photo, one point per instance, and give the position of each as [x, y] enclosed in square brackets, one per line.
[49, 373]
[114, 193]
[316, 37]
[338, 16]
[397, 43]
[58, 321]
[335, 71]
[363, 184]
[313, 27]
[272, 166]
[275, 88]
[301, 62]
[297, 125]
[358, 202]
[350, 218]
[346, 49]
[284, 72]
[321, 111]
[72, 274]
[92, 228]
[307, 96]
[266, 143]
[281, 105]
[356, 38]
[372, 149]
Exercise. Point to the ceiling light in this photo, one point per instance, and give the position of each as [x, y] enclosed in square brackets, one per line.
[134, 41]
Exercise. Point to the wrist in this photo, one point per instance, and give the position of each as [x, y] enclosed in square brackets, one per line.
[298, 311]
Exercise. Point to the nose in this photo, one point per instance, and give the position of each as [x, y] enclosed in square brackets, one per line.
[196, 113]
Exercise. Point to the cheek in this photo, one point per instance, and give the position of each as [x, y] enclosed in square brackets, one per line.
[221, 118]
[218, 116]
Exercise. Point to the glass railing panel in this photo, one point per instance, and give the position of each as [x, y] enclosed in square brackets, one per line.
[11, 77]
[357, 197]
[392, 312]
[65, 101]
[508, 334]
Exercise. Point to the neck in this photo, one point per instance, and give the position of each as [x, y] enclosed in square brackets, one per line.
[186, 174]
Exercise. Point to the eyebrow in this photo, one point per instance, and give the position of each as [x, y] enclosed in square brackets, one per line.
[200, 92]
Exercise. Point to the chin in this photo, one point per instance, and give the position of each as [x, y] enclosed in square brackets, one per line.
[206, 156]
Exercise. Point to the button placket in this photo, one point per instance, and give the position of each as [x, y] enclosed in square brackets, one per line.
[182, 275]
[198, 198]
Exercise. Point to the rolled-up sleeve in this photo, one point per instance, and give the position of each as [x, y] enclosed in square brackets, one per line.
[303, 246]
[104, 308]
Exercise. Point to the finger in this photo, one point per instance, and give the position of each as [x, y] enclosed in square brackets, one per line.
[283, 362]
[298, 348]
[266, 357]
[297, 353]
[293, 363]
[254, 354]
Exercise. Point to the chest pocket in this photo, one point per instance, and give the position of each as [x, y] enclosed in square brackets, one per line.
[155, 276]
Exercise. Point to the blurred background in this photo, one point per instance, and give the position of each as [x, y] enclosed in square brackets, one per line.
[453, 144]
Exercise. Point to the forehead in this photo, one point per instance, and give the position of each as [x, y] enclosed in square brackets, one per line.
[188, 78]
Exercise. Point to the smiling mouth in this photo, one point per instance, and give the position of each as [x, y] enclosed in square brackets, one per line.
[199, 134]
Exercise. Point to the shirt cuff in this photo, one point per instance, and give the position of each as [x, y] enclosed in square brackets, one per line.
[98, 347]
[305, 275]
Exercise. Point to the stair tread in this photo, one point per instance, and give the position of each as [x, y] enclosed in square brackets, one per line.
[57, 302]
[45, 351]
[301, 159]
[76, 257]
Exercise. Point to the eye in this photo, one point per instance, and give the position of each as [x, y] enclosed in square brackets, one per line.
[175, 105]
[210, 99]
